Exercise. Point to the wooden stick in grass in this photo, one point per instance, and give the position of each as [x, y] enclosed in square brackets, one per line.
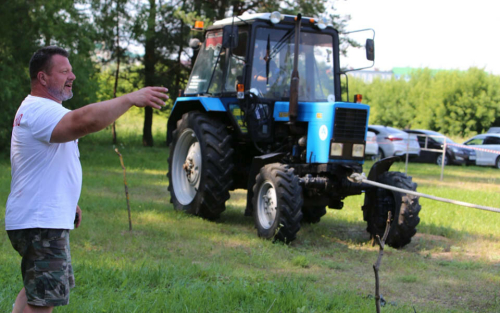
[126, 189]
[376, 266]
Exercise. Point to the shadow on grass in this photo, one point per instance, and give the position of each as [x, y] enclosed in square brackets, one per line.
[157, 216]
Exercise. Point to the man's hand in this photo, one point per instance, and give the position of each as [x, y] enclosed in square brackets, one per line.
[78, 218]
[149, 96]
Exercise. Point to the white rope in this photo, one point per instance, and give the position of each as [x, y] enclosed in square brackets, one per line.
[359, 178]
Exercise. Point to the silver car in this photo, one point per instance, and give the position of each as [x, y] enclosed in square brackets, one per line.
[487, 148]
[395, 142]
[371, 148]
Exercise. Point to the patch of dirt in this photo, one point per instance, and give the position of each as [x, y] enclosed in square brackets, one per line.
[428, 242]
[460, 185]
[420, 236]
[442, 248]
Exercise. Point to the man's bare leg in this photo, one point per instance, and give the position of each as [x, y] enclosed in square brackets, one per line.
[21, 305]
[21, 302]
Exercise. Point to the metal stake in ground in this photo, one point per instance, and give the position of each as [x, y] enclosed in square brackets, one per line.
[376, 266]
[126, 190]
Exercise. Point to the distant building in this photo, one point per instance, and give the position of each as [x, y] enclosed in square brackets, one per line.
[369, 75]
[397, 73]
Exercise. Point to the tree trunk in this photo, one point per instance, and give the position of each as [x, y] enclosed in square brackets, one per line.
[149, 66]
[178, 71]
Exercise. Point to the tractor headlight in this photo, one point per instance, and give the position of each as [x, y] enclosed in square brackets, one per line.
[322, 22]
[358, 150]
[276, 17]
[336, 149]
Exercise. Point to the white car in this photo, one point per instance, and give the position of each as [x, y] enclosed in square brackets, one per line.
[371, 148]
[394, 142]
[487, 148]
[494, 130]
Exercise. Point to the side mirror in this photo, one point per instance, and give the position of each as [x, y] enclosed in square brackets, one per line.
[230, 36]
[194, 43]
[370, 49]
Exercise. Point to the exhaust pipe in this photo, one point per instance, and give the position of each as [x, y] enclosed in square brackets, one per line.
[294, 85]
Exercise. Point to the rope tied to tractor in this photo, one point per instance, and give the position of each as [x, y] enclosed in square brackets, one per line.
[361, 178]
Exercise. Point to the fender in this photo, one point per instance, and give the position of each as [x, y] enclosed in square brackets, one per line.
[381, 167]
[186, 104]
[377, 169]
[209, 103]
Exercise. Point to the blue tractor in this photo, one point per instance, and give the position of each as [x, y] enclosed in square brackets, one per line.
[262, 111]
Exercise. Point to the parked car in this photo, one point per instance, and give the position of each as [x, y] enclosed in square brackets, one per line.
[488, 149]
[371, 147]
[494, 130]
[394, 142]
[435, 140]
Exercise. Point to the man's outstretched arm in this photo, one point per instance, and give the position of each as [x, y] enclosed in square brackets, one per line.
[94, 117]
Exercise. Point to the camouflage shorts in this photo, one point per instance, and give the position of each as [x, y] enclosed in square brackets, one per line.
[46, 264]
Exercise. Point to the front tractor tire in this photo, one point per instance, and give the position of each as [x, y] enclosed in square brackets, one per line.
[277, 203]
[200, 166]
[404, 210]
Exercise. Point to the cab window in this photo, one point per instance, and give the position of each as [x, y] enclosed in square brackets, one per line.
[237, 63]
[492, 141]
[474, 142]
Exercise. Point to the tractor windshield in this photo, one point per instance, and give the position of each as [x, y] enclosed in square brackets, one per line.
[207, 74]
[206, 61]
[272, 65]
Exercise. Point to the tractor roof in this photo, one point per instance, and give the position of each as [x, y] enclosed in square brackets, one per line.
[257, 16]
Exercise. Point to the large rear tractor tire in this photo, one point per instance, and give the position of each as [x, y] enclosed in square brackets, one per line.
[277, 203]
[404, 210]
[200, 166]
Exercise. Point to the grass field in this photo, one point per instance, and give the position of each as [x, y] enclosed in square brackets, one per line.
[173, 262]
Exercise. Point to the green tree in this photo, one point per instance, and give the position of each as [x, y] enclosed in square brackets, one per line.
[113, 25]
[470, 103]
[458, 103]
[14, 56]
[63, 23]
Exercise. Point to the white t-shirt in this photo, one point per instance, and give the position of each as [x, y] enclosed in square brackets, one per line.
[46, 177]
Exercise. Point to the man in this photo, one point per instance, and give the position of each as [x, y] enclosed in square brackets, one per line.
[263, 80]
[47, 175]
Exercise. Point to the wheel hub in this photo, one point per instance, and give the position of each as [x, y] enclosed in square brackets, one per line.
[267, 205]
[186, 167]
[190, 166]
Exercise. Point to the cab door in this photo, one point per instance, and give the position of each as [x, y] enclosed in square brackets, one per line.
[477, 142]
[493, 144]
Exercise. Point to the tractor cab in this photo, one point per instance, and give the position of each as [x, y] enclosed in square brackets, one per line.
[260, 58]
[279, 75]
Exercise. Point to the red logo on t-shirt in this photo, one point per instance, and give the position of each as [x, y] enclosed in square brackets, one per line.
[17, 121]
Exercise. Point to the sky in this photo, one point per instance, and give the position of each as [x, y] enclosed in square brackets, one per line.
[438, 34]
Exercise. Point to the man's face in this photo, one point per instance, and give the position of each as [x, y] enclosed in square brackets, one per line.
[60, 79]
